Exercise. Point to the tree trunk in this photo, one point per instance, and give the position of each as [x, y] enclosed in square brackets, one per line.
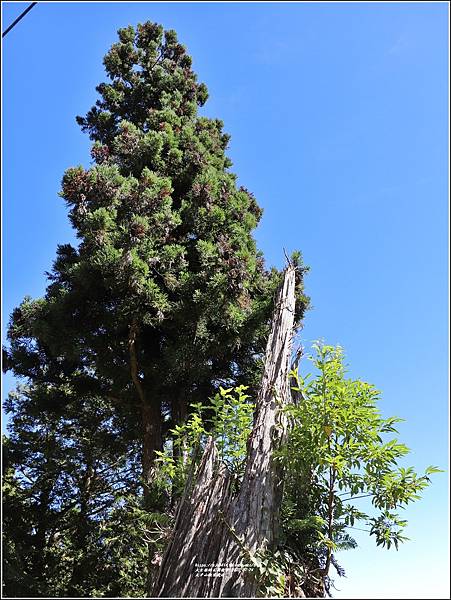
[179, 415]
[150, 414]
[212, 524]
[152, 440]
[179, 406]
[153, 501]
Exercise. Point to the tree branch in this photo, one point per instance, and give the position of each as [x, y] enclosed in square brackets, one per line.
[356, 497]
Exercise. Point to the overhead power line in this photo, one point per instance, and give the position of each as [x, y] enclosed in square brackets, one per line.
[21, 16]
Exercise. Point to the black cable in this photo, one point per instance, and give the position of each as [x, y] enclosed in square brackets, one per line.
[18, 19]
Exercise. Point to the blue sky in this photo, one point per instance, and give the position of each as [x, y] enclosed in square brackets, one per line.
[338, 117]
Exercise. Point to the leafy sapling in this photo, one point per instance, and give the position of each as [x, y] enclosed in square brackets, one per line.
[339, 451]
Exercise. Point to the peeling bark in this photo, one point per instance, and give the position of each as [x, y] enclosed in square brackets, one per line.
[212, 524]
[198, 530]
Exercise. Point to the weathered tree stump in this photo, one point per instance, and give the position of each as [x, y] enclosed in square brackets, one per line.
[215, 527]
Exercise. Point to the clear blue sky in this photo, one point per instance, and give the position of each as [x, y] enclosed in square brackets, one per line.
[338, 118]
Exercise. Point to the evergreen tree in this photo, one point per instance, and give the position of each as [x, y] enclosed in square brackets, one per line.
[166, 294]
[71, 481]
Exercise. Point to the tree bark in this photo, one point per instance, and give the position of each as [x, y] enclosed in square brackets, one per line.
[179, 415]
[152, 441]
[150, 415]
[213, 525]
[153, 500]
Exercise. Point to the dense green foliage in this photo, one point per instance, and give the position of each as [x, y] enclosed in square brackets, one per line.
[66, 482]
[166, 258]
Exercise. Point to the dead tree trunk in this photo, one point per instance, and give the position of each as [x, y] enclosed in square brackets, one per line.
[215, 527]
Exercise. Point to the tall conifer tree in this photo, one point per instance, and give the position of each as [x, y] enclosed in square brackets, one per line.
[166, 294]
